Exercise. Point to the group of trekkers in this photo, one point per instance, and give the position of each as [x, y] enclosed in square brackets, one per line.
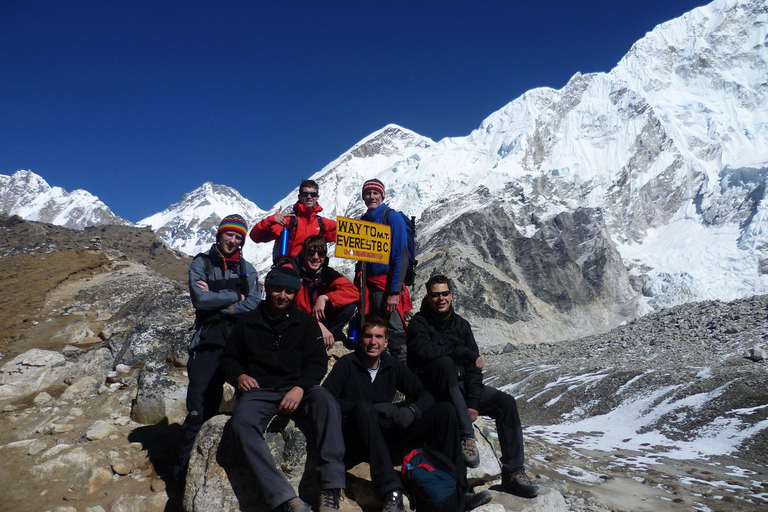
[274, 352]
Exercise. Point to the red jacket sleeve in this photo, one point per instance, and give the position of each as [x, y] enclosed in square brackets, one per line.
[266, 230]
[341, 291]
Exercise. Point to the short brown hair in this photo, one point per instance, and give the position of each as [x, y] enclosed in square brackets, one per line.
[314, 243]
[309, 184]
[438, 279]
[373, 321]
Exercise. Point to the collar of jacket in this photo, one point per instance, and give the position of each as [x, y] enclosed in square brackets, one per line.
[258, 316]
[377, 215]
[434, 318]
[385, 361]
[303, 211]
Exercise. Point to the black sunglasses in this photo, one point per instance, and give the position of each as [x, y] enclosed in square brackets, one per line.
[309, 194]
[312, 252]
[435, 295]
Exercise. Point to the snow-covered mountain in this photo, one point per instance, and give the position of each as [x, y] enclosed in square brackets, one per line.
[565, 206]
[190, 224]
[671, 145]
[29, 196]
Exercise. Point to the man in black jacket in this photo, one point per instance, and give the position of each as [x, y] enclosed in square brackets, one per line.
[365, 383]
[276, 358]
[443, 353]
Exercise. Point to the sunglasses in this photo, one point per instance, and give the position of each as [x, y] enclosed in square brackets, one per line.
[435, 295]
[312, 252]
[309, 194]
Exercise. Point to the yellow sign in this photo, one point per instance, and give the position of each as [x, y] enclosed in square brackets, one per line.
[362, 240]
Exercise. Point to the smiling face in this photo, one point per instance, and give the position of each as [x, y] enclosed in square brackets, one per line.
[440, 297]
[374, 341]
[372, 199]
[314, 259]
[229, 242]
[279, 298]
[308, 196]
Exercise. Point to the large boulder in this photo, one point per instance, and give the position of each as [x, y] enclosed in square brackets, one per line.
[219, 477]
[31, 372]
[159, 396]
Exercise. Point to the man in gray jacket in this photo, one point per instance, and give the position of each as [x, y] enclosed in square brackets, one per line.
[222, 286]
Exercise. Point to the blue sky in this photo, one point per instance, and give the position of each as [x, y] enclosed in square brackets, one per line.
[139, 102]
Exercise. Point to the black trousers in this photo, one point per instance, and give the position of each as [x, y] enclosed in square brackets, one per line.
[441, 374]
[203, 396]
[367, 441]
[337, 318]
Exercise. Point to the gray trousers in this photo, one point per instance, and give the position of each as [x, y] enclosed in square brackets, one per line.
[250, 418]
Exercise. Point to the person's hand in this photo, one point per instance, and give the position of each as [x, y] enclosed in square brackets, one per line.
[291, 400]
[246, 383]
[472, 414]
[242, 297]
[280, 218]
[480, 364]
[403, 417]
[203, 286]
[327, 337]
[392, 302]
[386, 410]
[319, 309]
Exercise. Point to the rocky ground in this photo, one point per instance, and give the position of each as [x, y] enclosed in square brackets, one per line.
[665, 413]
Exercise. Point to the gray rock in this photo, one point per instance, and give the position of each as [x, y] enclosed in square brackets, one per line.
[219, 477]
[757, 354]
[159, 396]
[81, 388]
[32, 371]
[99, 430]
[43, 400]
[36, 447]
[129, 503]
[489, 468]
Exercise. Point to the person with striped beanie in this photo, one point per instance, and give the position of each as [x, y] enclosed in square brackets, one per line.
[223, 287]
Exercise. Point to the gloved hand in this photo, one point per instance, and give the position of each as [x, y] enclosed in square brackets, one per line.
[403, 417]
[386, 411]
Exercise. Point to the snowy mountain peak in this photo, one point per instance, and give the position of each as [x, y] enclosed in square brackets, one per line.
[29, 196]
[190, 224]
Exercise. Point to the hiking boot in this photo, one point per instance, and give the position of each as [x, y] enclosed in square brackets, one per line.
[470, 452]
[519, 484]
[293, 505]
[393, 502]
[475, 499]
[330, 500]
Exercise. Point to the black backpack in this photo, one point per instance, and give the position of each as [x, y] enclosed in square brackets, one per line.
[410, 224]
[292, 224]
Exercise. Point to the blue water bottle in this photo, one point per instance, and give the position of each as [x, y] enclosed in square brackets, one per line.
[284, 234]
[352, 333]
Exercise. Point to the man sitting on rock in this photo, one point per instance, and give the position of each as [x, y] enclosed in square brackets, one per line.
[222, 286]
[443, 353]
[276, 359]
[364, 383]
[327, 295]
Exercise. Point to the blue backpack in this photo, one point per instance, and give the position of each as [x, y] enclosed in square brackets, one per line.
[410, 224]
[429, 479]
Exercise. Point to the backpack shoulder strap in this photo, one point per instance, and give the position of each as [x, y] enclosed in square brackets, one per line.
[321, 225]
[206, 262]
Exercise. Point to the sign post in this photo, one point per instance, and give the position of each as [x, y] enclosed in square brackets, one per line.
[365, 242]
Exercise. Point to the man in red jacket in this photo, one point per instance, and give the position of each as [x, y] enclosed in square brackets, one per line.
[304, 222]
[327, 295]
